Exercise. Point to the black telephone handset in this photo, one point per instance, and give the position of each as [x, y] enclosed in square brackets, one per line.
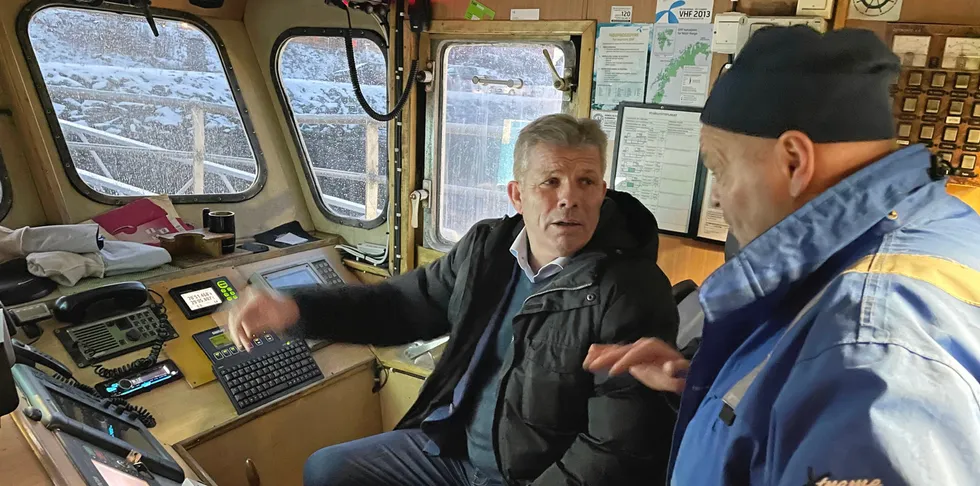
[31, 356]
[100, 302]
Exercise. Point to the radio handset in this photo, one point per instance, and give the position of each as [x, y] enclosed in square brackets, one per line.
[31, 356]
[100, 302]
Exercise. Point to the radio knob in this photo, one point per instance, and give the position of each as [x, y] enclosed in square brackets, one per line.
[133, 335]
[125, 384]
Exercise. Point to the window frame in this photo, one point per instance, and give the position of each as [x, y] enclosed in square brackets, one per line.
[7, 198]
[294, 133]
[54, 125]
[435, 159]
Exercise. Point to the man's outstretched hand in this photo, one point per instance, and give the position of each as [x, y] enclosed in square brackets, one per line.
[653, 362]
[256, 312]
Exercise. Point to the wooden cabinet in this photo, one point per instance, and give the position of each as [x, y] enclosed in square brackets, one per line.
[278, 442]
[397, 396]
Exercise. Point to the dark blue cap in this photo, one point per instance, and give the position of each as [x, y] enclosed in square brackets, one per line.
[834, 87]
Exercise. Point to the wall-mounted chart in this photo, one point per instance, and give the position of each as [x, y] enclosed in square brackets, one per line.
[657, 159]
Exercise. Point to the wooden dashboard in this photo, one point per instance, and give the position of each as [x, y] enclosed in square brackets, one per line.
[365, 392]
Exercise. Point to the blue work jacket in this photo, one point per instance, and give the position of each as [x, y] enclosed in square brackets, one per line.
[842, 346]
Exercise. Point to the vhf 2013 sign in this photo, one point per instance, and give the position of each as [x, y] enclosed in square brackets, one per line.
[684, 11]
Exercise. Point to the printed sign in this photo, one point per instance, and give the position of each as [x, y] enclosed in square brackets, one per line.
[621, 14]
[684, 11]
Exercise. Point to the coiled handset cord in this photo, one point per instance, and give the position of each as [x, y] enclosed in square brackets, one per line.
[140, 364]
[142, 414]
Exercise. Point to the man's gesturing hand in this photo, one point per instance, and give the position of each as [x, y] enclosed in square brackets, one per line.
[651, 361]
[258, 311]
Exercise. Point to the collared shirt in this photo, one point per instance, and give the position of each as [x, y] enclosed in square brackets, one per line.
[521, 251]
[877, 380]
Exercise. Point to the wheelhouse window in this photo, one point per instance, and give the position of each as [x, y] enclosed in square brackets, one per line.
[344, 151]
[489, 92]
[138, 115]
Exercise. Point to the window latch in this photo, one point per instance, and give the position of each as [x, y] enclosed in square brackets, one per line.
[510, 83]
[417, 197]
[562, 83]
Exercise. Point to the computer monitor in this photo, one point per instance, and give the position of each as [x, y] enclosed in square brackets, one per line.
[8, 392]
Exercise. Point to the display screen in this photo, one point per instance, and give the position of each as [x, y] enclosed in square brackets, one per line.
[200, 299]
[301, 276]
[220, 340]
[98, 420]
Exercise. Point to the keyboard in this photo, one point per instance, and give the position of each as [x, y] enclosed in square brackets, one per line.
[267, 373]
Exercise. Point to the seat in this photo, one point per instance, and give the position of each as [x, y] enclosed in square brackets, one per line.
[689, 308]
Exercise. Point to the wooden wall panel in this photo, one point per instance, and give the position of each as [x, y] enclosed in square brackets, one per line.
[644, 11]
[231, 10]
[550, 9]
[683, 258]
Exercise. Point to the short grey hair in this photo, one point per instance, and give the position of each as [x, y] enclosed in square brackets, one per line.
[559, 130]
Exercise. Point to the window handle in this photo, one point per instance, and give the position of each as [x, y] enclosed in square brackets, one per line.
[417, 197]
[510, 83]
[561, 83]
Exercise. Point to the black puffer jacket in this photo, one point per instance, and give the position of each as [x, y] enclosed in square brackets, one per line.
[555, 422]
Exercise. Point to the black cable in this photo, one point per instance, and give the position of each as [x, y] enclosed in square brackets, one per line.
[142, 414]
[410, 80]
[139, 364]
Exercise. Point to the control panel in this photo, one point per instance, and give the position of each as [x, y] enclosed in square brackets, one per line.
[314, 273]
[103, 339]
[203, 298]
[274, 367]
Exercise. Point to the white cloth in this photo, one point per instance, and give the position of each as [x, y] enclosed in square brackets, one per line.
[74, 238]
[122, 257]
[116, 258]
[521, 251]
[65, 268]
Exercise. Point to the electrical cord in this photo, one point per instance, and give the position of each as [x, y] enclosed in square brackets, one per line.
[139, 364]
[352, 65]
[142, 414]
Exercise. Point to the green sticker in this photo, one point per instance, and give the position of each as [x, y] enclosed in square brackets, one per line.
[478, 11]
[629, 184]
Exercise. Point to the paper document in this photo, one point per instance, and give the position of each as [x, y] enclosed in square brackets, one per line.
[712, 223]
[621, 63]
[657, 162]
[607, 120]
[290, 239]
[680, 65]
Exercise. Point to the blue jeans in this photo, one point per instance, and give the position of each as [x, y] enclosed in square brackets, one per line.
[389, 459]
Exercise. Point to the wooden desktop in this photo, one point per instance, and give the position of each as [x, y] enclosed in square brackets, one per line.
[365, 391]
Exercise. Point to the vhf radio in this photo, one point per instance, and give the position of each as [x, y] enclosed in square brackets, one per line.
[111, 321]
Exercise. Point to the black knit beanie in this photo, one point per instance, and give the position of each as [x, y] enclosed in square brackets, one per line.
[834, 87]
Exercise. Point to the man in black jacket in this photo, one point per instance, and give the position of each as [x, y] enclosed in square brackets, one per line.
[523, 299]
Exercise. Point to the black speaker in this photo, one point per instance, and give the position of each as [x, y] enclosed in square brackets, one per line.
[208, 3]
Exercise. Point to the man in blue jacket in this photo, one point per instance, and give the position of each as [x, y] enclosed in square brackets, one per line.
[841, 346]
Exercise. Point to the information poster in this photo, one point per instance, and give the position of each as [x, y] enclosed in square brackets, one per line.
[657, 158]
[621, 63]
[608, 121]
[680, 64]
[711, 224]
